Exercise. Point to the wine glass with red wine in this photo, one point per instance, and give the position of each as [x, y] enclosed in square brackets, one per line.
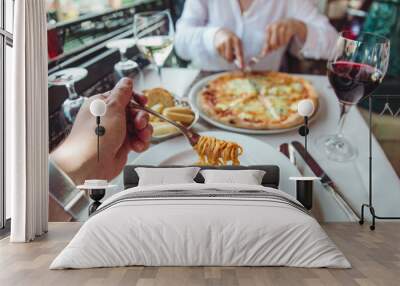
[355, 69]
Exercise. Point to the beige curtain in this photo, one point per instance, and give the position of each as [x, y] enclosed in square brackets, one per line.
[27, 123]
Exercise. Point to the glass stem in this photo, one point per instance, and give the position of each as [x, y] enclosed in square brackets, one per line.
[159, 72]
[344, 109]
[123, 56]
[72, 94]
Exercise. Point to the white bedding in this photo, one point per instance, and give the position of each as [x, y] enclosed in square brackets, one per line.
[188, 231]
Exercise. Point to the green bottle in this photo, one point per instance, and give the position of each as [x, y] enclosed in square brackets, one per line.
[384, 19]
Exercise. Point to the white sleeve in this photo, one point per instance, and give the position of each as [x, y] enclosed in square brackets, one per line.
[321, 35]
[194, 39]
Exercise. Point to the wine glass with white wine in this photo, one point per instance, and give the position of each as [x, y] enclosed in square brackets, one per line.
[154, 32]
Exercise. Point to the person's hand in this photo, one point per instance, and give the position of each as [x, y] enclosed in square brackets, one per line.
[229, 46]
[77, 155]
[280, 33]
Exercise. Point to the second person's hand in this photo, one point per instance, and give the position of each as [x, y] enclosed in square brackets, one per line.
[229, 46]
[280, 33]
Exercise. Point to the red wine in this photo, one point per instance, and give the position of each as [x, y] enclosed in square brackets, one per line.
[353, 81]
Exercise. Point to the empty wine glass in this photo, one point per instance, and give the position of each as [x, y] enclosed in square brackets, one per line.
[356, 68]
[125, 65]
[68, 78]
[154, 32]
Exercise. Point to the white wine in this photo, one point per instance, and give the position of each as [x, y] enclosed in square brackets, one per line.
[156, 48]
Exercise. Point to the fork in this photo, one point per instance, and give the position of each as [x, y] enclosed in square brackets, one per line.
[190, 135]
[253, 60]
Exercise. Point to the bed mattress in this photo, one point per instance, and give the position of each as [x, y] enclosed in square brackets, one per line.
[201, 225]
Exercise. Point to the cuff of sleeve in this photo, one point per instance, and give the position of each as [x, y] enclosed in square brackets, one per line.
[63, 191]
[208, 38]
[311, 44]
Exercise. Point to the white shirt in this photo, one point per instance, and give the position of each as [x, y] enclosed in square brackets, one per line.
[201, 19]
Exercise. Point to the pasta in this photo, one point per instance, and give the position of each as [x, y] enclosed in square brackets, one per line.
[216, 152]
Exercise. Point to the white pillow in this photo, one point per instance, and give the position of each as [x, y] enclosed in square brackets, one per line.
[246, 177]
[166, 176]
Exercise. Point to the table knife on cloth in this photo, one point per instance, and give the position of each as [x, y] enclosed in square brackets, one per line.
[326, 181]
[284, 149]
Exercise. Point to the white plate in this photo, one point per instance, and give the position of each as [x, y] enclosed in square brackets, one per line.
[177, 151]
[193, 99]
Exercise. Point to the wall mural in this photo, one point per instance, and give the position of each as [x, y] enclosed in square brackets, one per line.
[121, 112]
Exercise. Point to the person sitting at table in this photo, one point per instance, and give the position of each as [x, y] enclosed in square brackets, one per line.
[225, 35]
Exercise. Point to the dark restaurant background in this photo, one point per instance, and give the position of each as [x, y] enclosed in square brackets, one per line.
[78, 31]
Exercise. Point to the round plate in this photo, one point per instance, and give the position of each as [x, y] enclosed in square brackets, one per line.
[177, 151]
[193, 99]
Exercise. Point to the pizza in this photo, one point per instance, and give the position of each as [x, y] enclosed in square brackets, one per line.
[256, 100]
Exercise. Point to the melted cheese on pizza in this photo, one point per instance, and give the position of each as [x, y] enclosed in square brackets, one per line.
[238, 87]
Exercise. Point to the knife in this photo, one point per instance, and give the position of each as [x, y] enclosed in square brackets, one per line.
[288, 151]
[284, 149]
[326, 181]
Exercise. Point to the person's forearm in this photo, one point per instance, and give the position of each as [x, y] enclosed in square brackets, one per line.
[195, 42]
[78, 157]
[194, 38]
[317, 36]
[62, 157]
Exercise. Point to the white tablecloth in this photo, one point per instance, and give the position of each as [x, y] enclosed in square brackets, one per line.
[351, 178]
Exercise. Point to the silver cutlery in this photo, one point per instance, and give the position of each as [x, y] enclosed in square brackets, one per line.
[247, 68]
[326, 181]
[190, 135]
[284, 149]
[253, 61]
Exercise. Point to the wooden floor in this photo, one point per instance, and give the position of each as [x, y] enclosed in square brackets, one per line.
[375, 257]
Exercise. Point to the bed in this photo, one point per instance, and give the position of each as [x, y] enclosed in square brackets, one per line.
[198, 224]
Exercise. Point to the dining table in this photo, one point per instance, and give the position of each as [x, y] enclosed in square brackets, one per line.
[351, 177]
